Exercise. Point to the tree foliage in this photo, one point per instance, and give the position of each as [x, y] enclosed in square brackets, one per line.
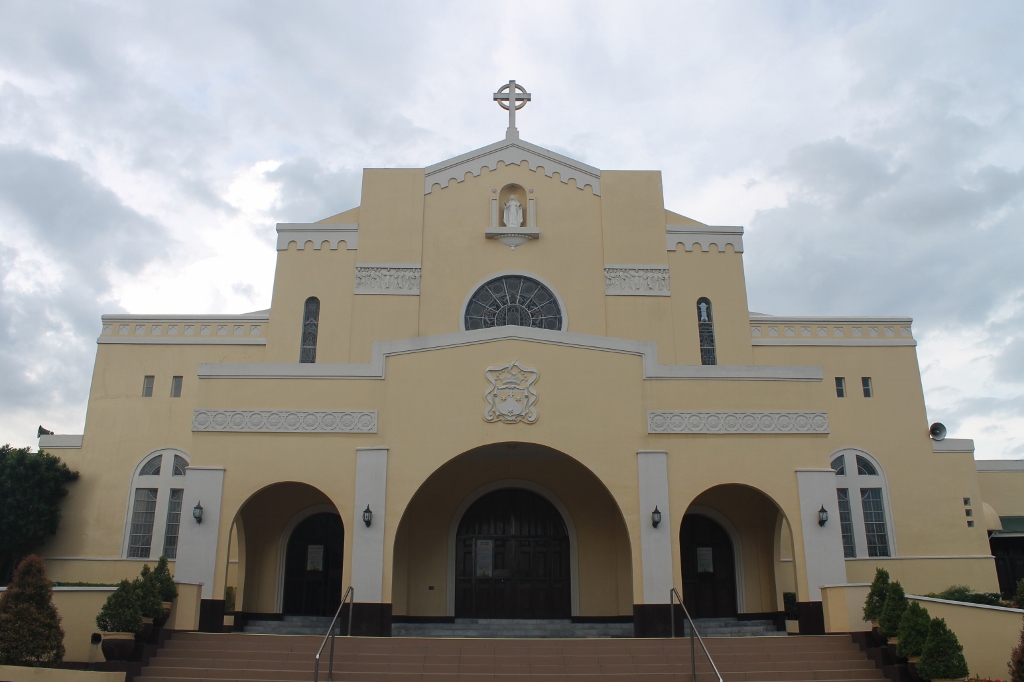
[1016, 664]
[913, 630]
[148, 590]
[876, 596]
[943, 654]
[31, 488]
[122, 612]
[892, 610]
[162, 575]
[30, 631]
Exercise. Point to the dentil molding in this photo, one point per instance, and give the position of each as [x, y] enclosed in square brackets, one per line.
[286, 421]
[399, 280]
[636, 280]
[737, 422]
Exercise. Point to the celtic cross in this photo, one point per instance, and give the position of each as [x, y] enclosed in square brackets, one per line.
[512, 97]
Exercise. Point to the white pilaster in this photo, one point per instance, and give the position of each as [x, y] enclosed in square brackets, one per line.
[823, 545]
[368, 543]
[655, 543]
[197, 542]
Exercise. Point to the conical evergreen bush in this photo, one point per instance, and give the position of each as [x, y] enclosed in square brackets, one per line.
[943, 656]
[30, 631]
[892, 610]
[876, 596]
[913, 630]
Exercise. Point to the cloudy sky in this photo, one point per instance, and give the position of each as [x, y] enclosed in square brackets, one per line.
[872, 150]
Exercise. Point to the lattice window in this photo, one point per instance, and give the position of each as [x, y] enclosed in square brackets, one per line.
[846, 523]
[152, 467]
[513, 300]
[310, 327]
[143, 515]
[865, 468]
[839, 465]
[180, 464]
[706, 332]
[874, 522]
[173, 523]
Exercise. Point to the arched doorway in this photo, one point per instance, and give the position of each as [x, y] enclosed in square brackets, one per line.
[313, 565]
[512, 558]
[709, 568]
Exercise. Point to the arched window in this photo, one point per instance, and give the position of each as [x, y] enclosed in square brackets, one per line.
[864, 514]
[706, 332]
[154, 512]
[516, 300]
[310, 325]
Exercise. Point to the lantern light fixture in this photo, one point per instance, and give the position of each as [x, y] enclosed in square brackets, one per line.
[822, 516]
[655, 517]
[197, 512]
[367, 516]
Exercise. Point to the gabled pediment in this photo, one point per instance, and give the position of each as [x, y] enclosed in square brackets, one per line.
[512, 150]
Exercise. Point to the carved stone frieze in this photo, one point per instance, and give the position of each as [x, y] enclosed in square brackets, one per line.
[737, 422]
[402, 280]
[636, 280]
[286, 421]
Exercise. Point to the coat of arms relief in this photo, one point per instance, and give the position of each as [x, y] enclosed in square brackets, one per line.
[511, 396]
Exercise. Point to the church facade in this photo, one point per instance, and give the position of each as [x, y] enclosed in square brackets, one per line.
[513, 385]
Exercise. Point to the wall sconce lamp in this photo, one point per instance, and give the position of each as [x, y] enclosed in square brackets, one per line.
[367, 516]
[197, 512]
[822, 516]
[655, 517]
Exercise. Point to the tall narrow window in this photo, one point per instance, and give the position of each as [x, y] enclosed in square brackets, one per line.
[846, 523]
[874, 522]
[175, 387]
[310, 324]
[143, 515]
[173, 522]
[706, 332]
[147, 386]
[865, 383]
[840, 387]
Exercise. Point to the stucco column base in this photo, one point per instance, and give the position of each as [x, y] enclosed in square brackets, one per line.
[655, 620]
[369, 619]
[811, 616]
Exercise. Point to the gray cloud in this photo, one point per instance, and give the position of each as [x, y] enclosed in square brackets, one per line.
[309, 192]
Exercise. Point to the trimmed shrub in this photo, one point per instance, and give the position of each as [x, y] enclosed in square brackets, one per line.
[30, 631]
[876, 596]
[943, 655]
[122, 611]
[892, 610]
[148, 590]
[162, 575]
[913, 630]
[1015, 667]
[789, 603]
[963, 593]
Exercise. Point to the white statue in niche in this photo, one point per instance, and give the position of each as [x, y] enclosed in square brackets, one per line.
[513, 213]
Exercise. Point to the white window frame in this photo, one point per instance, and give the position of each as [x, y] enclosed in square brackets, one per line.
[163, 483]
[855, 482]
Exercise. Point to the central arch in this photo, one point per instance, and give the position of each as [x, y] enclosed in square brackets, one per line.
[532, 488]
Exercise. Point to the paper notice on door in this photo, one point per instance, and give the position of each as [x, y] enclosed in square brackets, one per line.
[484, 558]
[705, 563]
[314, 557]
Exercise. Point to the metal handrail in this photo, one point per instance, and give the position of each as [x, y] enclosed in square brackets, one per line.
[674, 594]
[349, 593]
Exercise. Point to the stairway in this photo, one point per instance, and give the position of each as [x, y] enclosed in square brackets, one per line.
[512, 628]
[293, 625]
[239, 657]
[732, 627]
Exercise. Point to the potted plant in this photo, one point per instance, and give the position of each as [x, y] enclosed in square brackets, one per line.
[876, 597]
[913, 632]
[943, 655]
[149, 601]
[792, 614]
[120, 620]
[892, 611]
[168, 591]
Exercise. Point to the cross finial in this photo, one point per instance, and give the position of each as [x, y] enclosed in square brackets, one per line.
[512, 97]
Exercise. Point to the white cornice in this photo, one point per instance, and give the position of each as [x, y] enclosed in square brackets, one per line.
[512, 151]
[186, 341]
[705, 235]
[953, 445]
[318, 233]
[768, 330]
[383, 349]
[245, 317]
[59, 441]
[997, 464]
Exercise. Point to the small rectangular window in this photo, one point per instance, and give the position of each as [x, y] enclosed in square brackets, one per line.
[143, 514]
[147, 386]
[173, 522]
[840, 387]
[175, 387]
[967, 502]
[969, 512]
[970, 524]
[865, 383]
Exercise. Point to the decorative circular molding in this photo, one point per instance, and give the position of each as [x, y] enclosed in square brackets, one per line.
[737, 422]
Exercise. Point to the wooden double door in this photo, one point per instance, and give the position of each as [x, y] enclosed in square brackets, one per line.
[312, 569]
[709, 568]
[512, 558]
